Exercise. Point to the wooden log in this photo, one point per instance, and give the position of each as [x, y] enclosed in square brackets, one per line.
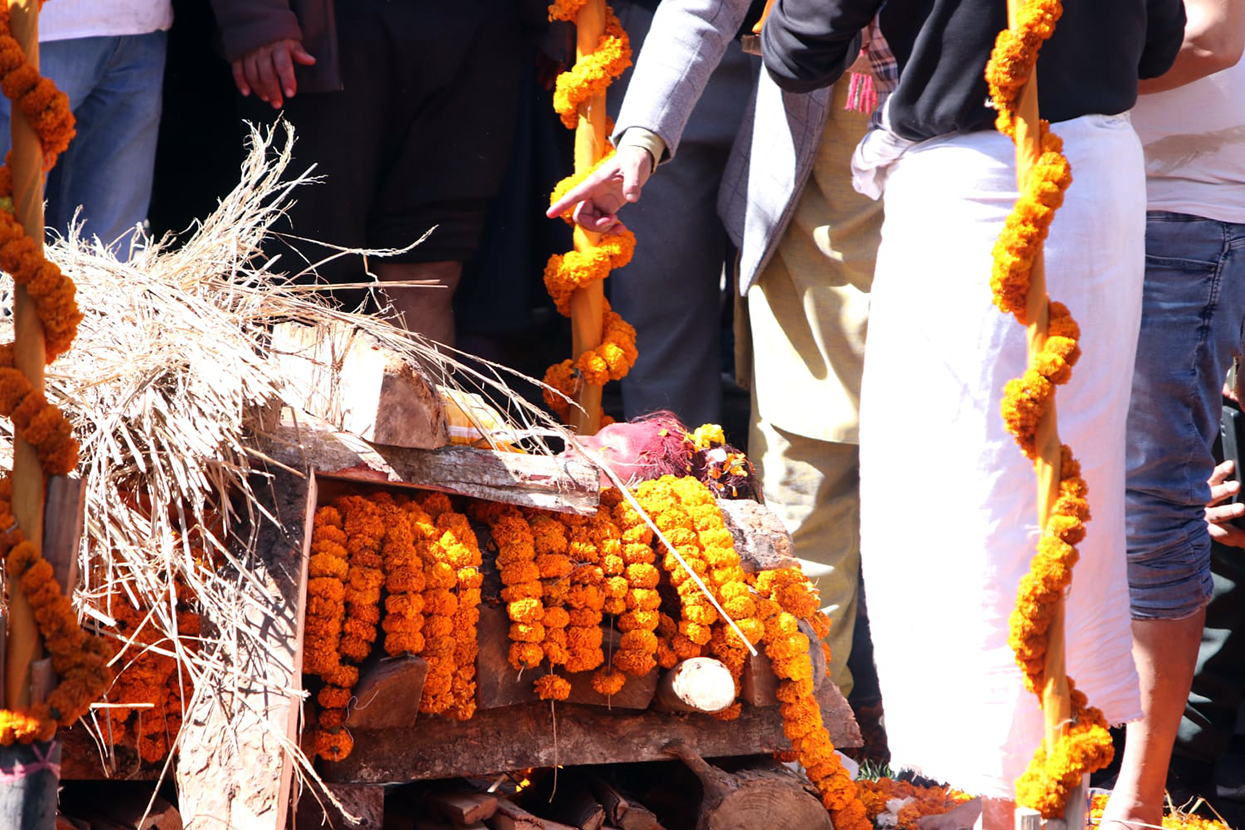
[388, 693]
[498, 684]
[562, 484]
[699, 684]
[366, 804]
[619, 810]
[565, 797]
[338, 373]
[511, 816]
[759, 686]
[765, 795]
[63, 516]
[464, 807]
[761, 539]
[519, 737]
[235, 767]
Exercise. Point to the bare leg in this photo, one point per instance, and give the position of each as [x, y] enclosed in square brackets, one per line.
[427, 309]
[1165, 652]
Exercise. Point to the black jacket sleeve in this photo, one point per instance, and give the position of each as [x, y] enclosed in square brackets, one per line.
[808, 44]
[1165, 21]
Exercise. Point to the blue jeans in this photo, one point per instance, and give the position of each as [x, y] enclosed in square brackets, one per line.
[114, 86]
[1191, 325]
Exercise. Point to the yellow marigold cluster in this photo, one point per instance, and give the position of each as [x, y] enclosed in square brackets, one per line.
[592, 74]
[1028, 398]
[451, 609]
[554, 565]
[361, 519]
[922, 801]
[324, 618]
[1026, 227]
[585, 599]
[636, 655]
[616, 354]
[1050, 779]
[407, 528]
[566, 273]
[566, 10]
[81, 661]
[522, 591]
[1085, 746]
[1015, 57]
[788, 650]
[564, 377]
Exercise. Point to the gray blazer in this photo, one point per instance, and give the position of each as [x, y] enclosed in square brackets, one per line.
[774, 152]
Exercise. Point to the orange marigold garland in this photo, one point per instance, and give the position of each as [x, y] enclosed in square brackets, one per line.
[1086, 746]
[915, 801]
[461, 551]
[585, 599]
[404, 581]
[569, 272]
[80, 661]
[522, 591]
[637, 653]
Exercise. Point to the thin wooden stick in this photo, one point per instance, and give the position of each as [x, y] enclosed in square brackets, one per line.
[588, 303]
[1056, 698]
[26, 163]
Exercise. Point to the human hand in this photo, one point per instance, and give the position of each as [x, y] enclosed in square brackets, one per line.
[615, 183]
[269, 71]
[1220, 517]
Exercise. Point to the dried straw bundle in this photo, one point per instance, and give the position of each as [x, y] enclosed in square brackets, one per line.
[163, 385]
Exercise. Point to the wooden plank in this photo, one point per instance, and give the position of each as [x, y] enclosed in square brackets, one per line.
[64, 513]
[562, 484]
[759, 686]
[367, 804]
[234, 769]
[342, 375]
[761, 539]
[498, 684]
[519, 737]
[464, 807]
[511, 816]
[388, 693]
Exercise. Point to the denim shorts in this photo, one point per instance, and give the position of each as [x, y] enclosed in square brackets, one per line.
[1191, 326]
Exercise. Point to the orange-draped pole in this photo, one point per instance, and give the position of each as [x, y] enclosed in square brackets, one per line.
[1056, 700]
[588, 303]
[26, 164]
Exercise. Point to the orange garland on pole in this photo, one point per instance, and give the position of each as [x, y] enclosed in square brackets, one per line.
[1076, 740]
[604, 345]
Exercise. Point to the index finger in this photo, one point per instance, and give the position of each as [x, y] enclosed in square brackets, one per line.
[572, 197]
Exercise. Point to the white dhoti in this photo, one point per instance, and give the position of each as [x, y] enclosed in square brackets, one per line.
[948, 508]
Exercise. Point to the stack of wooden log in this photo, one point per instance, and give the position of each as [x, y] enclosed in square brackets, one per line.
[734, 794]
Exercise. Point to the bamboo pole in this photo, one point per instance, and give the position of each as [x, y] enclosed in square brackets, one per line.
[588, 303]
[26, 164]
[1056, 698]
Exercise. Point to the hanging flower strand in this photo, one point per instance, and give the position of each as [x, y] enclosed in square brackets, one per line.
[1086, 744]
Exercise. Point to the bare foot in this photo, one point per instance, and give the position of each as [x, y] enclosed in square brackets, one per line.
[961, 817]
